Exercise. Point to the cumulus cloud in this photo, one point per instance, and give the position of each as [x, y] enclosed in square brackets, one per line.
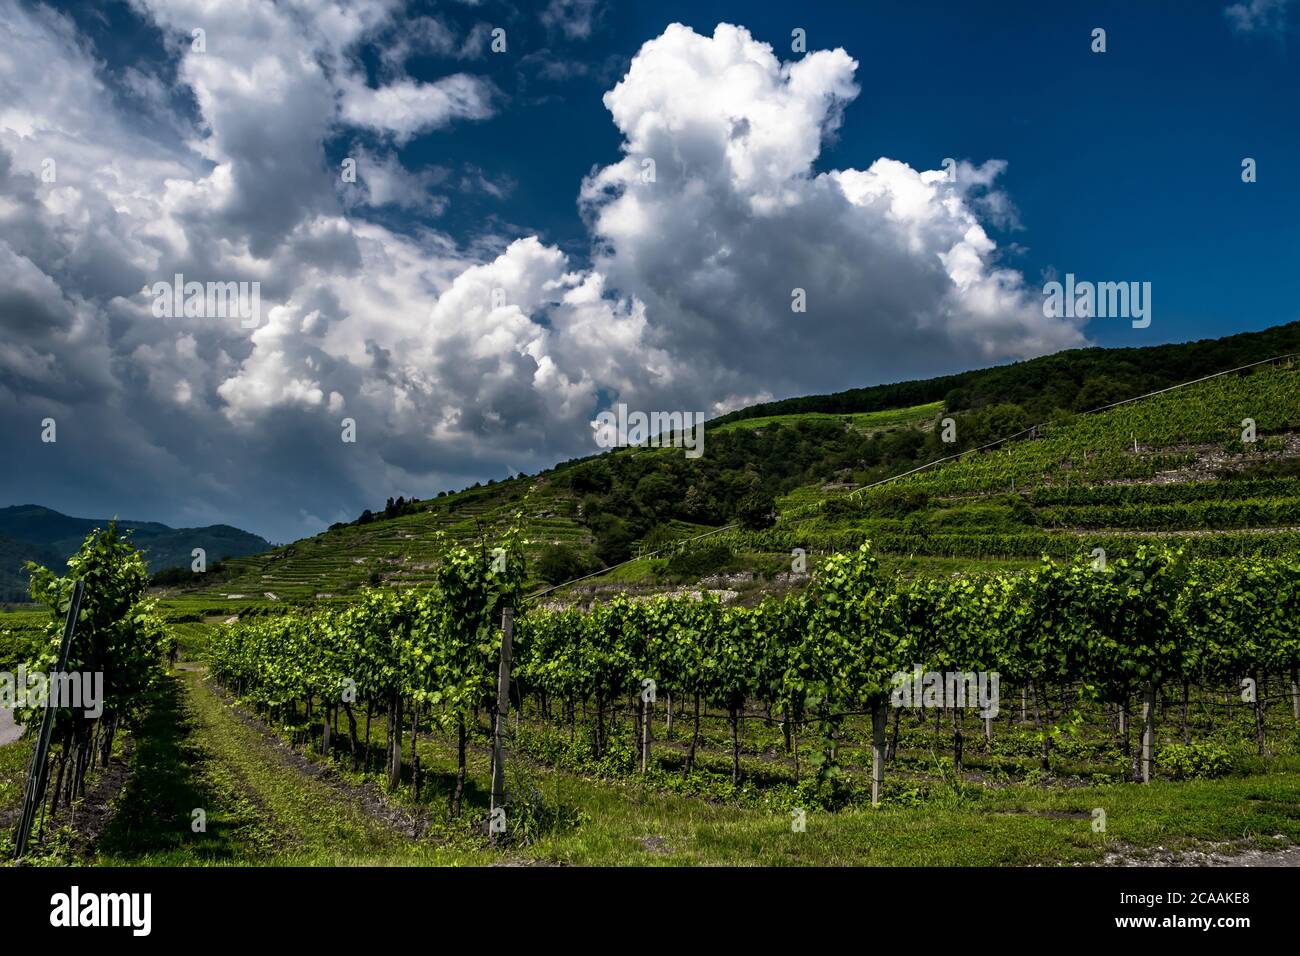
[382, 180]
[405, 108]
[457, 358]
[216, 422]
[899, 274]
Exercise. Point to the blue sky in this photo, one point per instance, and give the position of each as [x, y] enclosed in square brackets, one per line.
[1122, 165]
[515, 172]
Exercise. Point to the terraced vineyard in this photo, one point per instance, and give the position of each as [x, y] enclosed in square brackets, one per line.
[1158, 438]
[397, 552]
[1079, 483]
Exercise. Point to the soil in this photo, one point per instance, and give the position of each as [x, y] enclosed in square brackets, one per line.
[10, 730]
[1211, 855]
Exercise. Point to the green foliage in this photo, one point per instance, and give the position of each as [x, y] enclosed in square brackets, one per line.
[820, 656]
[1199, 761]
[438, 648]
[756, 511]
[561, 562]
[118, 632]
[696, 561]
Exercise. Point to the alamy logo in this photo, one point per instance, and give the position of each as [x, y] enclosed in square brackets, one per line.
[1099, 300]
[75, 690]
[947, 689]
[207, 300]
[103, 909]
[619, 428]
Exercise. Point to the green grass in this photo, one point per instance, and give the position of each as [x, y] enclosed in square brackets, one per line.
[862, 421]
[261, 808]
[1016, 826]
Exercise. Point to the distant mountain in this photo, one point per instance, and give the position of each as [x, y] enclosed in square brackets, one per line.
[33, 533]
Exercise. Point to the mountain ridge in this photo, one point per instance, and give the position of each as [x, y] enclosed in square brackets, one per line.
[32, 532]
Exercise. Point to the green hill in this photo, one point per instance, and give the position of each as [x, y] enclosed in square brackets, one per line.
[1172, 466]
[784, 479]
[1076, 379]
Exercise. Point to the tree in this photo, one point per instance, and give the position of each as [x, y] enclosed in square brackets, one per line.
[756, 511]
[561, 562]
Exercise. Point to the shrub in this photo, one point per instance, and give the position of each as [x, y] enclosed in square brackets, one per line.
[898, 502]
[1195, 761]
[560, 562]
[756, 511]
[697, 562]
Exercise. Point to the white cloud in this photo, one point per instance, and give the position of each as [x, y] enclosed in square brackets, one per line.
[574, 18]
[1257, 16]
[899, 274]
[406, 108]
[382, 180]
[455, 360]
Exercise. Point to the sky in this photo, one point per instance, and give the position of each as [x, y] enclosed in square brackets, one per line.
[473, 226]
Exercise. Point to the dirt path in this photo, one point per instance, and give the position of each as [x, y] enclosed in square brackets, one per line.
[9, 729]
[1214, 855]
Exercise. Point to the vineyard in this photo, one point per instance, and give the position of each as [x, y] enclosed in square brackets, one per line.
[1150, 631]
[1108, 600]
[1092, 448]
[1077, 643]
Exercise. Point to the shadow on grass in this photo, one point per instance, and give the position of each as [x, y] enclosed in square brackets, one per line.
[167, 782]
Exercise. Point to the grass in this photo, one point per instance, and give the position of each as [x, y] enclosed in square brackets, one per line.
[862, 421]
[1016, 826]
[261, 808]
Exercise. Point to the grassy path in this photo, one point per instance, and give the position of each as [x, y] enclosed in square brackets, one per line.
[260, 805]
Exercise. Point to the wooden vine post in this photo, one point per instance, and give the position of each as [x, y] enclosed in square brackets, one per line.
[1148, 730]
[499, 728]
[879, 716]
[647, 713]
[34, 791]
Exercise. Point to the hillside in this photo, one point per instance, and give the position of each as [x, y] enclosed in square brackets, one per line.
[1076, 379]
[34, 533]
[1172, 466]
[786, 480]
